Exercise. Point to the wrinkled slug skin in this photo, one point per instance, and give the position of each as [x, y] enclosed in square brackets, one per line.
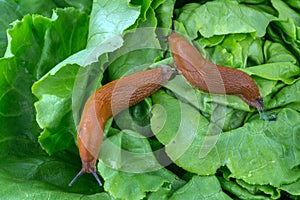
[209, 77]
[109, 100]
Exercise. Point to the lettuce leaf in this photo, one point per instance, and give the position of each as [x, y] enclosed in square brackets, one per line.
[269, 146]
[231, 17]
[133, 163]
[286, 29]
[8, 14]
[202, 187]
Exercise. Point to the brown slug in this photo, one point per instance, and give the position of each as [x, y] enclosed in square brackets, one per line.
[209, 77]
[108, 101]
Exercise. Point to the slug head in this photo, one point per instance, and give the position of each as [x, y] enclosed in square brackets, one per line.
[262, 114]
[88, 162]
[168, 73]
[88, 166]
[259, 103]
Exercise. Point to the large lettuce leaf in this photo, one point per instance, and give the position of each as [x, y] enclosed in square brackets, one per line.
[224, 17]
[263, 144]
[202, 187]
[134, 163]
[13, 10]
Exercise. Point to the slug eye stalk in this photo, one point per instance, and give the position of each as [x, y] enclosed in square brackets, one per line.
[76, 177]
[265, 117]
[81, 172]
[262, 113]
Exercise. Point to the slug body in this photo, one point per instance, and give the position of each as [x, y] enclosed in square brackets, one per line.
[108, 101]
[212, 78]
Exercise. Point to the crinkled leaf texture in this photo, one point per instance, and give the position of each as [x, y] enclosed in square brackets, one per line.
[267, 146]
[223, 17]
[46, 41]
[201, 187]
[127, 160]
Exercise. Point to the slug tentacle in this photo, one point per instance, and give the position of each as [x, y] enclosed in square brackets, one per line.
[76, 177]
[95, 174]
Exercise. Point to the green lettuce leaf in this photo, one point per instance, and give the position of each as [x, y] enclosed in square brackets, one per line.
[38, 190]
[16, 107]
[286, 29]
[275, 52]
[126, 159]
[225, 17]
[201, 187]
[13, 10]
[294, 4]
[136, 118]
[247, 191]
[268, 146]
[100, 30]
[39, 40]
[292, 188]
[134, 56]
[283, 71]
[286, 96]
[233, 51]
[8, 14]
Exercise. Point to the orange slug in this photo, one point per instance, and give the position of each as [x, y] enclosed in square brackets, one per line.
[108, 101]
[212, 78]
